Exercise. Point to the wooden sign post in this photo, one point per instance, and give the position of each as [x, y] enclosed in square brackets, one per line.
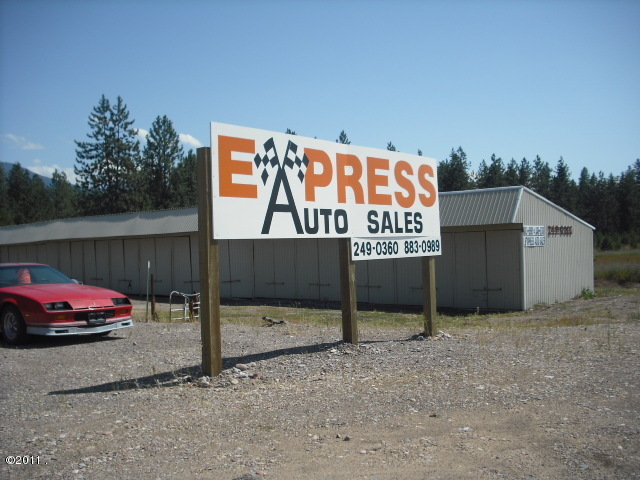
[348, 293]
[381, 204]
[209, 272]
[429, 292]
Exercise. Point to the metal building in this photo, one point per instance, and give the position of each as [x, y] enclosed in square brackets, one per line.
[504, 248]
[509, 248]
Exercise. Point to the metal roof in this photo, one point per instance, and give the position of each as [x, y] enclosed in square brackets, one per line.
[489, 206]
[161, 222]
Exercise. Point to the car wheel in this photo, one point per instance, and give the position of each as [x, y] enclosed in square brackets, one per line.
[14, 329]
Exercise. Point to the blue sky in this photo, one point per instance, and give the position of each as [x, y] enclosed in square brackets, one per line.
[511, 78]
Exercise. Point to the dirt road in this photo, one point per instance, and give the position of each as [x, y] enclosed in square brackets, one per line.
[295, 402]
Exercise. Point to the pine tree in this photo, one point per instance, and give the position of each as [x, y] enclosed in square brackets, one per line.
[493, 175]
[541, 177]
[563, 188]
[453, 173]
[24, 195]
[611, 205]
[511, 174]
[106, 166]
[126, 157]
[63, 197]
[39, 207]
[482, 174]
[6, 207]
[606, 204]
[184, 180]
[92, 160]
[585, 196]
[524, 173]
[629, 201]
[161, 153]
[343, 138]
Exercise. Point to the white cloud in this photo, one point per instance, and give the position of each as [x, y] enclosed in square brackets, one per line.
[183, 137]
[20, 142]
[47, 170]
[142, 134]
[189, 140]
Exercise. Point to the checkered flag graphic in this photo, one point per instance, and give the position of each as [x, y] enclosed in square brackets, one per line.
[295, 162]
[269, 160]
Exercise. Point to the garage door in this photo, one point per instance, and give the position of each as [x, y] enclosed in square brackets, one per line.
[504, 290]
[470, 289]
[103, 264]
[445, 271]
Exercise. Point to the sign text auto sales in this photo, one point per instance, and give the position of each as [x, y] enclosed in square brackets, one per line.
[273, 185]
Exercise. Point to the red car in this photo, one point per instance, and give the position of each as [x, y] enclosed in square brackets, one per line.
[37, 299]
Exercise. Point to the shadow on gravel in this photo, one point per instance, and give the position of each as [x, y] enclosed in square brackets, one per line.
[188, 374]
[41, 341]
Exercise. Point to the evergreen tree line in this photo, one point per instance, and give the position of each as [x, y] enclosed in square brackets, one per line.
[114, 175]
[609, 203]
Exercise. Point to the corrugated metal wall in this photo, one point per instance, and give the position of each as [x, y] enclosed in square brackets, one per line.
[116, 259]
[242, 269]
[408, 281]
[480, 269]
[445, 271]
[132, 264]
[471, 270]
[301, 269]
[479, 207]
[64, 259]
[305, 269]
[564, 266]
[504, 267]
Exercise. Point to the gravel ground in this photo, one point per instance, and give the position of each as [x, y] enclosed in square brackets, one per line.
[295, 402]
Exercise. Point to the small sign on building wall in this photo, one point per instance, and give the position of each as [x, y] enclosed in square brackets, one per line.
[534, 236]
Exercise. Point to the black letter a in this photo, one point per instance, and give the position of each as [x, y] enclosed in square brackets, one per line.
[281, 180]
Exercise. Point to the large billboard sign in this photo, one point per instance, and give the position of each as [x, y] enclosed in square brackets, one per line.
[274, 185]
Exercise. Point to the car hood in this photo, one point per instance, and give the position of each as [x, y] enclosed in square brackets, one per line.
[78, 296]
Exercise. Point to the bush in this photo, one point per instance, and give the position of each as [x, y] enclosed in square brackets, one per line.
[587, 293]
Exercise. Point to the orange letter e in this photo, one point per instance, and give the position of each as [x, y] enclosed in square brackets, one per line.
[228, 167]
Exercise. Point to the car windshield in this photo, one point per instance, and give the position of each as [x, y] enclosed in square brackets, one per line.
[12, 275]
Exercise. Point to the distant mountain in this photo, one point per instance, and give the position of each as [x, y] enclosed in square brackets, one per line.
[8, 166]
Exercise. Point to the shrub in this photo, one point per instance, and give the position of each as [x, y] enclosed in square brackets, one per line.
[587, 293]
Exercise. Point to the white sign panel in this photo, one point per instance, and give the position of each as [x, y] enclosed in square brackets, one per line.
[273, 185]
[534, 236]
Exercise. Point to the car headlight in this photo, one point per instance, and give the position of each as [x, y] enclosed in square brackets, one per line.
[57, 306]
[118, 302]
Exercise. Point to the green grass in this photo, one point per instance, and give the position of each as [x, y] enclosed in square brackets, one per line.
[318, 317]
[374, 319]
[251, 315]
[615, 291]
[622, 266]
